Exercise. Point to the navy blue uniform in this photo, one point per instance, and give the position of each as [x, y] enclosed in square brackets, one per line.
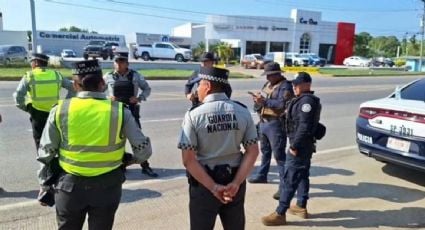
[302, 119]
[272, 131]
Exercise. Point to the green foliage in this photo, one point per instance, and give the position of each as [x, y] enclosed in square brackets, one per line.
[368, 46]
[75, 29]
[361, 47]
[198, 50]
[224, 51]
[400, 62]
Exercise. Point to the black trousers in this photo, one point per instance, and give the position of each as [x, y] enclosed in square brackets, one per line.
[38, 120]
[98, 197]
[135, 111]
[204, 208]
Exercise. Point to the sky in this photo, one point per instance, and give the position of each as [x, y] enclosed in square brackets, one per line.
[377, 17]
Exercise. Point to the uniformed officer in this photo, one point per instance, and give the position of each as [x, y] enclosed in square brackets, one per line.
[87, 134]
[123, 85]
[38, 91]
[207, 60]
[302, 121]
[270, 104]
[210, 140]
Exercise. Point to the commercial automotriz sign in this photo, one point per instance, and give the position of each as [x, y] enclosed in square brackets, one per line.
[78, 36]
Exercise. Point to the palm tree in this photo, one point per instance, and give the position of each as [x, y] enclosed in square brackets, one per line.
[224, 51]
[198, 50]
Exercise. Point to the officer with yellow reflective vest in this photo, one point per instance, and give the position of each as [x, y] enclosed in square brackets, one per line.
[86, 135]
[38, 91]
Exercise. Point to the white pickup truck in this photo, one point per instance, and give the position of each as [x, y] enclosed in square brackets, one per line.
[163, 50]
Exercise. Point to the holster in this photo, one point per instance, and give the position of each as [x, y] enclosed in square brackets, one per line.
[221, 174]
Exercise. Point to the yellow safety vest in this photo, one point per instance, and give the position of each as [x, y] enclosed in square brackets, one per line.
[91, 140]
[44, 88]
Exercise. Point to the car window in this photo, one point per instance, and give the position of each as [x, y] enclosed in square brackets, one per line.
[414, 91]
[160, 46]
[258, 57]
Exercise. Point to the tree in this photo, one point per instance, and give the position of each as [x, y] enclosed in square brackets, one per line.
[384, 46]
[76, 29]
[224, 51]
[361, 47]
[198, 50]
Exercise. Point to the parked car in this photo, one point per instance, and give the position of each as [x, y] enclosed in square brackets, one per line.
[102, 49]
[13, 54]
[136, 50]
[164, 50]
[314, 60]
[382, 62]
[253, 61]
[278, 57]
[357, 61]
[68, 53]
[392, 129]
[297, 59]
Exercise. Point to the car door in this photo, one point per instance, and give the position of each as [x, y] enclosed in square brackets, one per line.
[170, 53]
[160, 51]
[11, 54]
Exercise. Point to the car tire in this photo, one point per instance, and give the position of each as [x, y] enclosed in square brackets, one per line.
[105, 57]
[111, 57]
[296, 63]
[246, 66]
[7, 61]
[135, 56]
[179, 58]
[146, 57]
[86, 57]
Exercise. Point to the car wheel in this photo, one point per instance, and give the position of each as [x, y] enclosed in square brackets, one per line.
[7, 61]
[362, 65]
[246, 66]
[105, 57]
[135, 56]
[179, 58]
[146, 57]
[111, 56]
[295, 63]
[86, 57]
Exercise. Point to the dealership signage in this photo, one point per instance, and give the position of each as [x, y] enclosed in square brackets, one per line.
[77, 36]
[250, 28]
[309, 21]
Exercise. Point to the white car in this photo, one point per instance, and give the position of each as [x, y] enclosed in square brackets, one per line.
[68, 53]
[357, 61]
[392, 129]
[163, 50]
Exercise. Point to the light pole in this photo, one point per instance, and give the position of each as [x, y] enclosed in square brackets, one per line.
[34, 29]
[422, 36]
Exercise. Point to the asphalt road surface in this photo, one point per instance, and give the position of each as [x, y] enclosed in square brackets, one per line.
[161, 118]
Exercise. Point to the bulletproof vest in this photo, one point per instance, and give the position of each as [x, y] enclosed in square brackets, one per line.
[271, 94]
[291, 123]
[123, 90]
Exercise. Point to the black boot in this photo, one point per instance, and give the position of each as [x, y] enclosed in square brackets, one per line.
[147, 170]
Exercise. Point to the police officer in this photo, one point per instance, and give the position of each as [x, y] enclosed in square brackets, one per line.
[207, 60]
[123, 85]
[302, 120]
[210, 140]
[38, 91]
[270, 104]
[87, 134]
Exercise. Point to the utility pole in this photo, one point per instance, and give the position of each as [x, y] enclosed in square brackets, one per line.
[34, 29]
[422, 36]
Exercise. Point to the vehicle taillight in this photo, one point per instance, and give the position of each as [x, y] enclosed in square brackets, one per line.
[368, 113]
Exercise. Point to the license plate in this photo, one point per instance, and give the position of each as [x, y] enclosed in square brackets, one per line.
[398, 144]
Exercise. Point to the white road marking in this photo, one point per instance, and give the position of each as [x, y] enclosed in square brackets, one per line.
[138, 184]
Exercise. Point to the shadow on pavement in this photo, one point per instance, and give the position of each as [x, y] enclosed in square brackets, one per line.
[32, 194]
[411, 217]
[404, 173]
[315, 171]
[386, 192]
[129, 195]
[135, 173]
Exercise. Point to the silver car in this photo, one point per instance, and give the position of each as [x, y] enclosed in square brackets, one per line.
[13, 54]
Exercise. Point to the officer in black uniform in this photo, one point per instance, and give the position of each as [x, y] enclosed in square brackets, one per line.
[207, 60]
[302, 121]
[123, 85]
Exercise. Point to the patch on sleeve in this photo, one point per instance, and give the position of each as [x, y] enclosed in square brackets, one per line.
[306, 108]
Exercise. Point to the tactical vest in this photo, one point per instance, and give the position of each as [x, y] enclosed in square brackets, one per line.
[123, 90]
[91, 140]
[44, 88]
[292, 124]
[271, 94]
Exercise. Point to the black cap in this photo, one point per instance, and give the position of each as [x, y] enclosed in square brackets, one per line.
[213, 74]
[86, 67]
[121, 56]
[40, 56]
[272, 68]
[301, 77]
[207, 56]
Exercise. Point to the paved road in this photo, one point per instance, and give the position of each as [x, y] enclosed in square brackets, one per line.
[161, 118]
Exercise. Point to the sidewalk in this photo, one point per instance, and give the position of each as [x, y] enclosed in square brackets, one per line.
[344, 196]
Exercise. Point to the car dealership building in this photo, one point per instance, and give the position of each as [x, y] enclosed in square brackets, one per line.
[303, 32]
